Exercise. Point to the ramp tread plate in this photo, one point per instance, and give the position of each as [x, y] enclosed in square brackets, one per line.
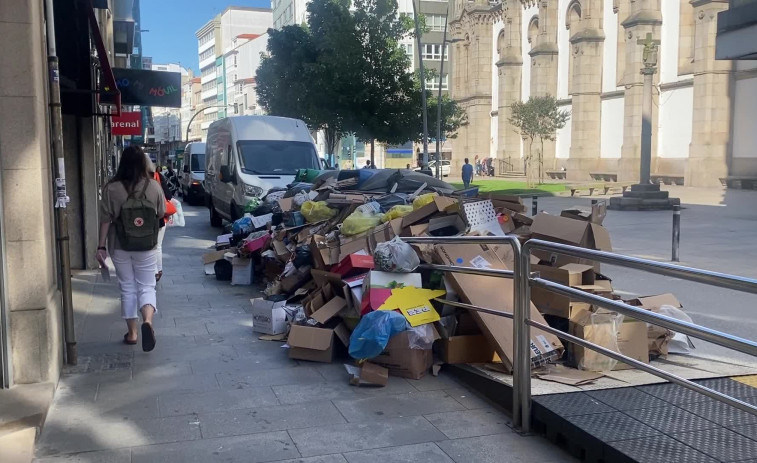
[749, 431]
[730, 387]
[659, 449]
[577, 403]
[612, 426]
[720, 413]
[673, 393]
[721, 444]
[671, 419]
[627, 399]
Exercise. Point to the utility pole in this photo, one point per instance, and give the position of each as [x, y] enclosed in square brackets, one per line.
[438, 156]
[424, 166]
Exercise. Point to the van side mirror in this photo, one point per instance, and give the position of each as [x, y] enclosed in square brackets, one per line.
[186, 168]
[226, 174]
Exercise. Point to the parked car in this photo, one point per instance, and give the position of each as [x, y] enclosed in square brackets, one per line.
[446, 168]
[248, 155]
[192, 174]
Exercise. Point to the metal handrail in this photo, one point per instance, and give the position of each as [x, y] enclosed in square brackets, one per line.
[521, 305]
[661, 268]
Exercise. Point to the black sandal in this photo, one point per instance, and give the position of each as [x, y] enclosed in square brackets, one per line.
[158, 276]
[128, 342]
[148, 337]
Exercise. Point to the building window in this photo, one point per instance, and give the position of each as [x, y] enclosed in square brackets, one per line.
[433, 84]
[236, 108]
[435, 22]
[210, 52]
[433, 51]
[206, 38]
[245, 102]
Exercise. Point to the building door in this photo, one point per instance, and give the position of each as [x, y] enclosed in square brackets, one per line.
[5, 364]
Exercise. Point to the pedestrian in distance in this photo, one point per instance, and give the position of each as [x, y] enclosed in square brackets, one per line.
[367, 164]
[408, 167]
[131, 208]
[467, 174]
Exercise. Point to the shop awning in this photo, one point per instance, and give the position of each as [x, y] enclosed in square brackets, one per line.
[107, 90]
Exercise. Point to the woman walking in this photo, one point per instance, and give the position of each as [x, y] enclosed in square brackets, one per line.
[130, 211]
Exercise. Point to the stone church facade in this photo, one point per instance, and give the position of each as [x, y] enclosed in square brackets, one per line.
[586, 54]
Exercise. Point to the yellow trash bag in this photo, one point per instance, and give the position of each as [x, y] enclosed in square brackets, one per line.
[422, 200]
[359, 222]
[397, 212]
[316, 211]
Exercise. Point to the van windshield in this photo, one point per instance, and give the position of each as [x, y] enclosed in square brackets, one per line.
[276, 157]
[198, 162]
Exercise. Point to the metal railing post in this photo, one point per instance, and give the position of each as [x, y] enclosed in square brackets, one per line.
[676, 232]
[522, 363]
[534, 205]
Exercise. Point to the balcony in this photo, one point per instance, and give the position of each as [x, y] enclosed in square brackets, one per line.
[209, 94]
[737, 31]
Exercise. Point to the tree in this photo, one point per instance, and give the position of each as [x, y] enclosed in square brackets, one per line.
[387, 101]
[539, 117]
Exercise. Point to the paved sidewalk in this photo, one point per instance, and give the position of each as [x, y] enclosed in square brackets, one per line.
[212, 392]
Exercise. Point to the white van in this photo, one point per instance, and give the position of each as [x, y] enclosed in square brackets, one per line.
[248, 155]
[192, 175]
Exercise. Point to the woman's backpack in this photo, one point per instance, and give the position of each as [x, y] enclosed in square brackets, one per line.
[137, 226]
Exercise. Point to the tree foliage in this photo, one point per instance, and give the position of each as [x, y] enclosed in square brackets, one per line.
[539, 117]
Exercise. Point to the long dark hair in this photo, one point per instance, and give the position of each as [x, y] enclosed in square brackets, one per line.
[132, 168]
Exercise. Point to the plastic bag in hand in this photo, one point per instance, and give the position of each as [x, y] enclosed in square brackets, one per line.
[372, 334]
[395, 256]
[316, 211]
[360, 221]
[176, 220]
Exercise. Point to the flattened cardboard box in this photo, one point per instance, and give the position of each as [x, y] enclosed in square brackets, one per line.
[403, 361]
[468, 349]
[496, 294]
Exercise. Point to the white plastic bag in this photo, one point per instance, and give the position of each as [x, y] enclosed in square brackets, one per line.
[395, 256]
[176, 220]
[679, 343]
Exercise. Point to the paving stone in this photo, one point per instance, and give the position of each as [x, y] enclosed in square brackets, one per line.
[272, 377]
[504, 448]
[324, 440]
[471, 423]
[273, 446]
[146, 372]
[299, 393]
[410, 404]
[266, 419]
[468, 399]
[319, 459]
[60, 437]
[104, 456]
[434, 383]
[418, 453]
[206, 402]
[248, 363]
[170, 385]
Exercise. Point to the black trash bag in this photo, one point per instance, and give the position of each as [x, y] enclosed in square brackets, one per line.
[392, 199]
[265, 209]
[223, 269]
[297, 187]
[302, 256]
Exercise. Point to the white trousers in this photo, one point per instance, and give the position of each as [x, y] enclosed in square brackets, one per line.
[136, 278]
[159, 250]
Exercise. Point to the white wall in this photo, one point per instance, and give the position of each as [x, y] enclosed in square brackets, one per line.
[610, 50]
[675, 123]
[745, 113]
[237, 22]
[669, 35]
[563, 137]
[612, 128]
[563, 46]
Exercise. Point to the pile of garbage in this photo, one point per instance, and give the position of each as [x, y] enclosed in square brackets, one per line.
[338, 279]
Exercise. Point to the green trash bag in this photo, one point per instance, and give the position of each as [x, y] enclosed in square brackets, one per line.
[251, 205]
[306, 175]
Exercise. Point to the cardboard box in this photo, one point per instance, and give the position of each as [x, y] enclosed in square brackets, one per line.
[596, 328]
[329, 310]
[658, 337]
[439, 204]
[450, 225]
[496, 294]
[377, 287]
[257, 244]
[209, 259]
[403, 361]
[268, 317]
[368, 374]
[468, 349]
[286, 204]
[595, 214]
[631, 337]
[241, 273]
[316, 344]
[569, 231]
[574, 275]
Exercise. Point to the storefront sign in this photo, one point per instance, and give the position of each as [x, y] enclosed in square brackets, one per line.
[127, 124]
[149, 88]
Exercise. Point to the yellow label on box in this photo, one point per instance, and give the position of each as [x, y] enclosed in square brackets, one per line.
[414, 303]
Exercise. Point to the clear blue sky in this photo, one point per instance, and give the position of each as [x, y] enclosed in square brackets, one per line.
[173, 23]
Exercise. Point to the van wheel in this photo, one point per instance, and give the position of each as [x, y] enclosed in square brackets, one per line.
[215, 220]
[233, 213]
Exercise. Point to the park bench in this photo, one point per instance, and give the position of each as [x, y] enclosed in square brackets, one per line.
[557, 174]
[667, 179]
[605, 187]
[604, 176]
[740, 183]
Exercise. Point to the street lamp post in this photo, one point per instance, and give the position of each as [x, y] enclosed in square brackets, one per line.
[195, 115]
[424, 102]
[438, 156]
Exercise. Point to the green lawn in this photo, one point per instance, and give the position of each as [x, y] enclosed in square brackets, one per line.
[510, 187]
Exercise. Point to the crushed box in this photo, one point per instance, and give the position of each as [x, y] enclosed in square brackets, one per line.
[316, 344]
[268, 317]
[569, 231]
